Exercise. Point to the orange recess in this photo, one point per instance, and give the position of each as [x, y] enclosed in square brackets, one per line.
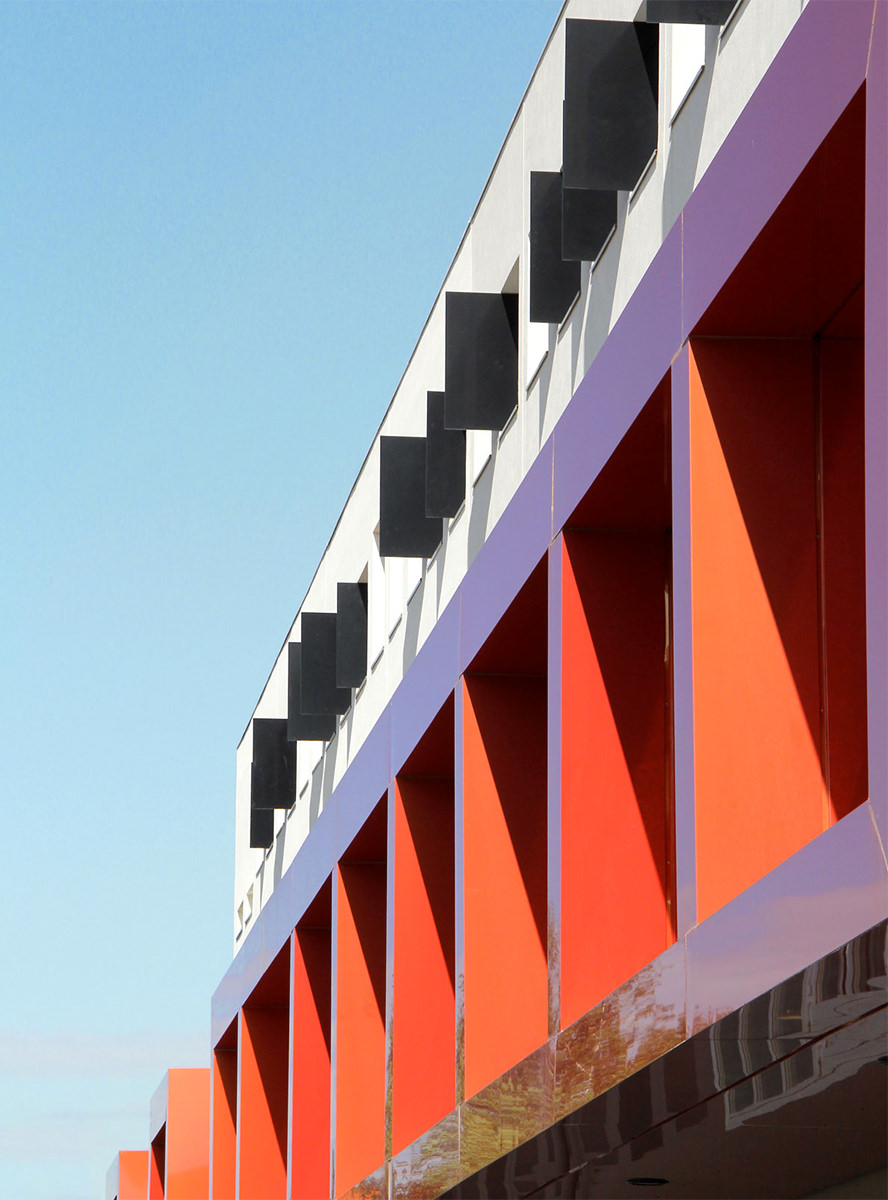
[157, 1167]
[505, 873]
[264, 1045]
[310, 1023]
[360, 1021]
[844, 572]
[616, 767]
[424, 1016]
[757, 735]
[224, 1154]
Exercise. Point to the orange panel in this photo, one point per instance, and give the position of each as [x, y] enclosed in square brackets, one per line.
[615, 763]
[310, 1165]
[156, 1166]
[262, 1103]
[424, 1016]
[758, 783]
[844, 572]
[188, 1135]
[132, 1175]
[360, 1021]
[224, 1143]
[504, 823]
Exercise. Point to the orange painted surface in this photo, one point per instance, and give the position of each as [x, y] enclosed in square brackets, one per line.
[424, 1015]
[844, 572]
[224, 1143]
[615, 763]
[360, 1021]
[758, 784]
[188, 1135]
[504, 797]
[262, 1103]
[132, 1175]
[310, 1166]
[156, 1167]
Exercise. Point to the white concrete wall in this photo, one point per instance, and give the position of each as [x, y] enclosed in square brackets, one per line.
[725, 66]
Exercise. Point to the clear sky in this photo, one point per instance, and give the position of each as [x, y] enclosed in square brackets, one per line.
[222, 227]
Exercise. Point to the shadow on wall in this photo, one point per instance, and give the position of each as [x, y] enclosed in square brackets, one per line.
[685, 138]
[599, 306]
[278, 865]
[480, 510]
[411, 626]
[316, 794]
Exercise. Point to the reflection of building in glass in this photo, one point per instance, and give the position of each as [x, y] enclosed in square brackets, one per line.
[761, 1074]
[561, 820]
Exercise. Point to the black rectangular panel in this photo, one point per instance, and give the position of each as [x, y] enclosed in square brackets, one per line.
[480, 359]
[554, 283]
[261, 828]
[587, 220]
[609, 130]
[319, 691]
[689, 12]
[273, 774]
[303, 727]
[404, 529]
[351, 634]
[445, 487]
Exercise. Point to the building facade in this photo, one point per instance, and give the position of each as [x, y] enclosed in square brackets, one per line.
[561, 821]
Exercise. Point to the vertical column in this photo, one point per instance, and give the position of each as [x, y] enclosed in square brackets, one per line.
[553, 785]
[682, 650]
[309, 1156]
[223, 1146]
[876, 322]
[389, 963]
[459, 888]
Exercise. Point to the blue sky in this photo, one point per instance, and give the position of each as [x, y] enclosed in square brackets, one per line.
[222, 227]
